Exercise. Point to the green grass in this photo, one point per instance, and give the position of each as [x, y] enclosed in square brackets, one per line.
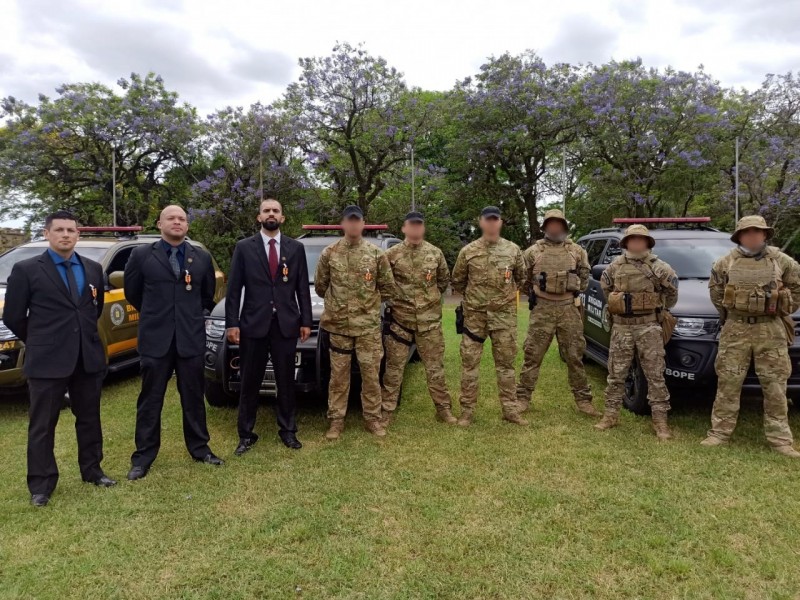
[497, 511]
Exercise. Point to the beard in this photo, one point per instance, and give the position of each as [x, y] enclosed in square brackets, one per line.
[270, 225]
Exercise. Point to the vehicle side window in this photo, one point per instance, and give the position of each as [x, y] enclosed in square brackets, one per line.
[595, 250]
[612, 251]
[391, 243]
[120, 260]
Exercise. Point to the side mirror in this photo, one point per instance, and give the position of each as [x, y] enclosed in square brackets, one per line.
[116, 279]
[597, 271]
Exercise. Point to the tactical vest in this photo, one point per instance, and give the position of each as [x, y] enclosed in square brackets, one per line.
[555, 270]
[752, 285]
[636, 291]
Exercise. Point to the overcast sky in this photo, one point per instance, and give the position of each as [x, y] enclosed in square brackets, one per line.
[236, 52]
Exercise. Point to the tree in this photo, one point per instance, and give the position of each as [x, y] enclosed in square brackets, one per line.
[356, 120]
[58, 154]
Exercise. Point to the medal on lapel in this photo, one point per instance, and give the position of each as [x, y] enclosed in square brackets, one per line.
[507, 275]
[188, 279]
[368, 275]
[94, 294]
[285, 271]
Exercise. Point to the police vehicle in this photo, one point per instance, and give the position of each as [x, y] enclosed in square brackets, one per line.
[690, 245]
[312, 358]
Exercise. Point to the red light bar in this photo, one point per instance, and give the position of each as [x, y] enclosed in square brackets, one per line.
[632, 220]
[339, 227]
[132, 228]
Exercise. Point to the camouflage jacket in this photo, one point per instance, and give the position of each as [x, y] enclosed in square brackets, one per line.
[353, 279]
[575, 253]
[790, 276]
[662, 272]
[489, 275]
[421, 276]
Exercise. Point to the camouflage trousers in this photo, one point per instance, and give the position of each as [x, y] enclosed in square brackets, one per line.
[647, 342]
[563, 321]
[430, 346]
[504, 351]
[368, 351]
[766, 344]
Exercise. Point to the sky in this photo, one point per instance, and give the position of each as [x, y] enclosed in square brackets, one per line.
[237, 52]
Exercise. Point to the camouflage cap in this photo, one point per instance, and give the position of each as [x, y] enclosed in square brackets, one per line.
[637, 229]
[554, 214]
[751, 222]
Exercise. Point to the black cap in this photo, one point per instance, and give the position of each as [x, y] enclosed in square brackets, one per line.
[352, 211]
[415, 217]
[491, 211]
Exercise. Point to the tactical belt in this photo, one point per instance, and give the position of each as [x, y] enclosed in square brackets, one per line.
[752, 320]
[564, 302]
[473, 337]
[390, 317]
[639, 320]
[340, 350]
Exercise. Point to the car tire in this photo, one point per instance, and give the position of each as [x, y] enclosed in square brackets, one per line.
[635, 399]
[218, 397]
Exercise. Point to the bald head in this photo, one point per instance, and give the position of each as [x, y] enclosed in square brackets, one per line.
[173, 224]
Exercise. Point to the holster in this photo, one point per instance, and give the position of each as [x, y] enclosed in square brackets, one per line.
[531, 298]
[460, 319]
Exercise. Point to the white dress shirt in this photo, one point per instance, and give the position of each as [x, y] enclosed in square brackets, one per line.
[265, 238]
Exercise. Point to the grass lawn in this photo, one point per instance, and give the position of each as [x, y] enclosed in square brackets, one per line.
[554, 510]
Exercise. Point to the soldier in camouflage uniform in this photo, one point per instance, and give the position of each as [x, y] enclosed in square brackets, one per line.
[415, 315]
[353, 276]
[488, 273]
[638, 286]
[755, 288]
[557, 271]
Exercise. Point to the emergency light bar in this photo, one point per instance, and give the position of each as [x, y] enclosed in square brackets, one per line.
[130, 229]
[632, 220]
[339, 227]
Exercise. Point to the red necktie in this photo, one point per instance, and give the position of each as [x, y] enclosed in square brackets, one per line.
[273, 259]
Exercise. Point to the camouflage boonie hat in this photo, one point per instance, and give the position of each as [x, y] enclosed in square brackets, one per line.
[555, 214]
[637, 229]
[751, 222]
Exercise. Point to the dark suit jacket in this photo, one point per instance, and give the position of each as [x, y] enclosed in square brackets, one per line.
[56, 330]
[167, 310]
[291, 300]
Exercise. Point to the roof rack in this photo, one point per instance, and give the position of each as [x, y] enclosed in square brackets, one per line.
[117, 232]
[662, 220]
[339, 227]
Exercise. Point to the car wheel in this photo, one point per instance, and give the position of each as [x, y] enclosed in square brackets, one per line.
[635, 399]
[217, 396]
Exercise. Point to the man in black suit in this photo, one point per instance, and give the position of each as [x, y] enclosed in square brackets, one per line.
[271, 269]
[52, 304]
[171, 283]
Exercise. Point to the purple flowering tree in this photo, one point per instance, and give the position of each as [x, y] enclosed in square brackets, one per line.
[58, 153]
[356, 120]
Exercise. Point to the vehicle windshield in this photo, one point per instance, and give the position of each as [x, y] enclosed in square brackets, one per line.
[12, 257]
[692, 259]
[312, 258]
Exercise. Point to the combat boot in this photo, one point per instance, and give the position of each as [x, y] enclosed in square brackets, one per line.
[610, 419]
[587, 408]
[444, 415]
[375, 427]
[465, 420]
[713, 440]
[387, 418]
[661, 426]
[335, 429]
[787, 451]
[515, 418]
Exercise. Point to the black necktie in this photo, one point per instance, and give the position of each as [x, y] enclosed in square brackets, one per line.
[73, 283]
[173, 261]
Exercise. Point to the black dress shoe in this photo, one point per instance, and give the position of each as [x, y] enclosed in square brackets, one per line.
[102, 481]
[40, 499]
[244, 445]
[136, 473]
[290, 441]
[211, 459]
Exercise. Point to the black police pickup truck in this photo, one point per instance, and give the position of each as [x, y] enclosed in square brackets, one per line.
[690, 245]
[312, 359]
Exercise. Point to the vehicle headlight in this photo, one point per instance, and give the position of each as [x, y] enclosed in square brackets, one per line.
[6, 333]
[688, 327]
[215, 328]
